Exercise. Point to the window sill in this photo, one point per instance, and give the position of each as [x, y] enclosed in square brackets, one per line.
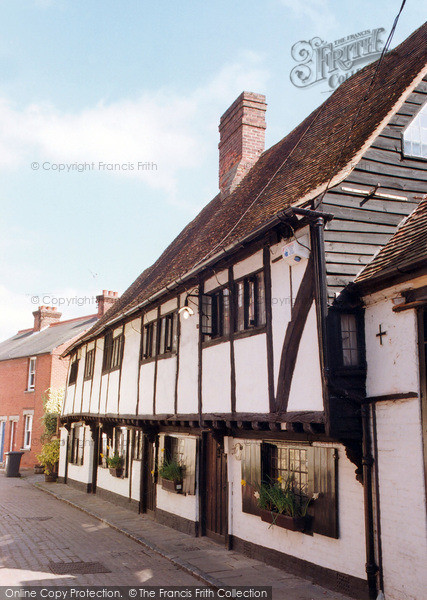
[106, 371]
[145, 361]
[29, 391]
[215, 341]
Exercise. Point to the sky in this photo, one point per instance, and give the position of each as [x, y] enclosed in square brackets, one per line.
[86, 84]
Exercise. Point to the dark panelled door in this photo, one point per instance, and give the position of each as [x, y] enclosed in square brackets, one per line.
[149, 483]
[216, 504]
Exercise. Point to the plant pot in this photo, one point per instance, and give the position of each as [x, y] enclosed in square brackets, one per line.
[171, 486]
[116, 471]
[50, 478]
[291, 523]
[38, 469]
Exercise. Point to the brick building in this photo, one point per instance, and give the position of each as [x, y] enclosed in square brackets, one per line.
[30, 364]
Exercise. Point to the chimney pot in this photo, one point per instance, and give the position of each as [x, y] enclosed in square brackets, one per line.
[105, 301]
[242, 139]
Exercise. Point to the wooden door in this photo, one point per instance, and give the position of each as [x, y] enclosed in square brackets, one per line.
[216, 497]
[148, 500]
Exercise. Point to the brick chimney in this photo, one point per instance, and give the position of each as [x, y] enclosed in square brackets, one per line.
[45, 316]
[241, 139]
[105, 301]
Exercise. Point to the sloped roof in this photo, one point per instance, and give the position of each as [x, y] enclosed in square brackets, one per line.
[407, 248]
[294, 171]
[33, 343]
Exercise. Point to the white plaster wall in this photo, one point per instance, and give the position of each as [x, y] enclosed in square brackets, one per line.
[212, 283]
[216, 384]
[165, 386]
[95, 406]
[83, 472]
[393, 367]
[169, 306]
[113, 392]
[79, 382]
[146, 383]
[345, 554]
[177, 504]
[62, 452]
[150, 315]
[248, 265]
[86, 395]
[103, 394]
[188, 363]
[251, 374]
[68, 401]
[136, 480]
[130, 367]
[106, 481]
[280, 305]
[306, 388]
[402, 499]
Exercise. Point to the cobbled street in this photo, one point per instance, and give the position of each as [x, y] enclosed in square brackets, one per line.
[37, 530]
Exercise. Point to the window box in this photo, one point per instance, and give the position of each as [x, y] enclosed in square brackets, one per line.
[116, 471]
[291, 523]
[171, 486]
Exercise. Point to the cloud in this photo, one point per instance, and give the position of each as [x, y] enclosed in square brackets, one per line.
[319, 12]
[170, 129]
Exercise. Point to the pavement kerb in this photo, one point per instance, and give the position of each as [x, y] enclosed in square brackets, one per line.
[185, 566]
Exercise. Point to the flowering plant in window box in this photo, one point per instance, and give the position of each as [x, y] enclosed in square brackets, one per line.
[171, 474]
[280, 504]
[115, 464]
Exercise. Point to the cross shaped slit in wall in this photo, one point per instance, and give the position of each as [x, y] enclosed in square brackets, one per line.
[380, 334]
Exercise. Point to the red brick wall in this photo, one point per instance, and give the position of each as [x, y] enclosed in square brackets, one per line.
[51, 371]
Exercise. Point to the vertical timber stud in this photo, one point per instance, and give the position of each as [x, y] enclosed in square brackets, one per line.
[95, 431]
[231, 338]
[318, 247]
[178, 341]
[200, 356]
[157, 342]
[269, 317]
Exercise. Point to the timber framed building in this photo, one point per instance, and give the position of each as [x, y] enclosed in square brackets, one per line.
[265, 377]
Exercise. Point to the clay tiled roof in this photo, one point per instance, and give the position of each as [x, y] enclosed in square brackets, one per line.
[293, 171]
[407, 248]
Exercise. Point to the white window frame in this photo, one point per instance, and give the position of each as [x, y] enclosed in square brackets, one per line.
[31, 383]
[28, 430]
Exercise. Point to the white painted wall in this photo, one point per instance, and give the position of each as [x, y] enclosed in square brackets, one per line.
[135, 482]
[248, 265]
[79, 382]
[83, 473]
[62, 452]
[345, 554]
[393, 366]
[177, 504]
[68, 400]
[106, 481]
[165, 386]
[112, 379]
[169, 306]
[306, 389]
[188, 362]
[402, 498]
[146, 384]
[280, 305]
[216, 383]
[214, 282]
[251, 374]
[86, 395]
[130, 367]
[95, 407]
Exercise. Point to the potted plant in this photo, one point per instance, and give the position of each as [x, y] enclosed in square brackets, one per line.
[171, 474]
[115, 464]
[48, 458]
[280, 504]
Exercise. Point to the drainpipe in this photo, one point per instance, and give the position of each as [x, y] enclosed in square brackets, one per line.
[367, 462]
